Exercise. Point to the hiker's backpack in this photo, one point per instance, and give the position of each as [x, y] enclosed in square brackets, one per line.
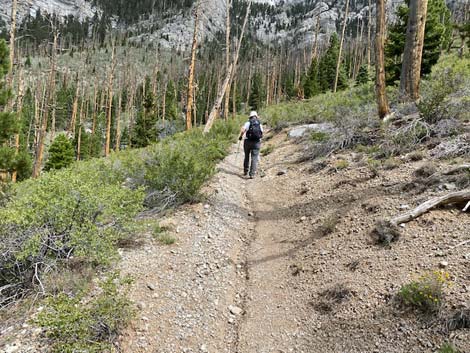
[254, 132]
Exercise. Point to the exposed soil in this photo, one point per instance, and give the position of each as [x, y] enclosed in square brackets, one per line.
[286, 263]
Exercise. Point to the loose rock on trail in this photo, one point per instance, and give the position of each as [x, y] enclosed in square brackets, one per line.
[285, 263]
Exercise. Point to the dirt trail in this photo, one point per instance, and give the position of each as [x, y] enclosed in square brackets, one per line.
[285, 263]
[219, 288]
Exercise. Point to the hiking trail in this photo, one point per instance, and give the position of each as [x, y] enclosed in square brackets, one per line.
[284, 263]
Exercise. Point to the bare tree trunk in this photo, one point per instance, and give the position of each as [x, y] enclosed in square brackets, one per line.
[190, 91]
[118, 122]
[107, 146]
[412, 56]
[222, 90]
[12, 43]
[42, 131]
[382, 100]
[369, 39]
[338, 62]
[19, 110]
[73, 120]
[80, 123]
[227, 56]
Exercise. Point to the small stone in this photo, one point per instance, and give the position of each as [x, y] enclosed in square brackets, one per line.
[235, 310]
[443, 264]
[206, 206]
[282, 172]
[251, 214]
[303, 219]
[203, 348]
[150, 286]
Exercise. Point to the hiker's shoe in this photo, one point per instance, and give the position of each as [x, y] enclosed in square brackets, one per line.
[252, 176]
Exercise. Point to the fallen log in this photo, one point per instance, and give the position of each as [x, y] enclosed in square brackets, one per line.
[454, 197]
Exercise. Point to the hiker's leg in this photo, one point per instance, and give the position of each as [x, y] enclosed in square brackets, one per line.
[254, 158]
[246, 163]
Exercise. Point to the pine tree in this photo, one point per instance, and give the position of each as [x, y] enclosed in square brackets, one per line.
[437, 35]
[363, 75]
[61, 154]
[257, 92]
[311, 84]
[327, 67]
[171, 105]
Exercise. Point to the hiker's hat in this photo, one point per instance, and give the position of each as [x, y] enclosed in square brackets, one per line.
[253, 114]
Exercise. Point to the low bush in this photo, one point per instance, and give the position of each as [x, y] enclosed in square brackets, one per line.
[165, 238]
[426, 293]
[87, 210]
[86, 324]
[445, 94]
[325, 107]
[448, 348]
[267, 150]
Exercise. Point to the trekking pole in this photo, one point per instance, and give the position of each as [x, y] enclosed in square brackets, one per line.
[238, 150]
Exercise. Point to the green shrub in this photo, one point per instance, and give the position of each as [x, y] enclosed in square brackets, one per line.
[86, 324]
[391, 163]
[445, 92]
[267, 150]
[318, 136]
[324, 107]
[448, 348]
[165, 238]
[341, 164]
[85, 211]
[426, 293]
[61, 153]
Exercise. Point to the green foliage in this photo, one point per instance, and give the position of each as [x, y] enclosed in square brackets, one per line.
[257, 92]
[448, 348]
[267, 150]
[445, 93]
[324, 107]
[318, 136]
[61, 154]
[327, 68]
[437, 35]
[341, 164]
[171, 105]
[165, 238]
[82, 324]
[180, 165]
[311, 84]
[363, 75]
[426, 293]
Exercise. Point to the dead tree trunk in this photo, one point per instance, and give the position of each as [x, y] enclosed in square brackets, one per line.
[227, 57]
[19, 111]
[382, 100]
[118, 122]
[455, 197]
[369, 39]
[412, 56]
[12, 43]
[338, 62]
[222, 90]
[43, 129]
[107, 146]
[190, 91]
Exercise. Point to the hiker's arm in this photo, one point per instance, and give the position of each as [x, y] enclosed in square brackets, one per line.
[242, 132]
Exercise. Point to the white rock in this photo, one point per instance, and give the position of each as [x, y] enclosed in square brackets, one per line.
[235, 310]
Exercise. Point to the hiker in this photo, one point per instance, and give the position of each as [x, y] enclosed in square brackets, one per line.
[252, 130]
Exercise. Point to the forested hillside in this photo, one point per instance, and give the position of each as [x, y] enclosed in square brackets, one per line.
[117, 128]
